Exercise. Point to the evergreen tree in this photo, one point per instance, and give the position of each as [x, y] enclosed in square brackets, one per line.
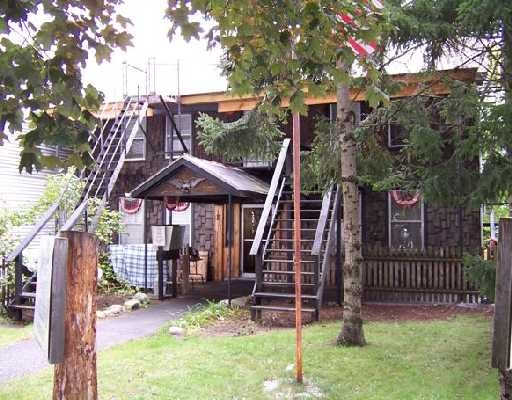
[288, 50]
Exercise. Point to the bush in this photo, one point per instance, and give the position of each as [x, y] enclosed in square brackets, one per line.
[110, 282]
[482, 273]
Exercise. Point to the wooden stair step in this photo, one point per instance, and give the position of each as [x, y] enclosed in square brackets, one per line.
[284, 295]
[291, 229]
[291, 219]
[22, 306]
[281, 308]
[288, 261]
[287, 250]
[276, 272]
[287, 284]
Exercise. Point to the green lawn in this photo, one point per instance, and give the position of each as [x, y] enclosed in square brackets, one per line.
[413, 360]
[11, 332]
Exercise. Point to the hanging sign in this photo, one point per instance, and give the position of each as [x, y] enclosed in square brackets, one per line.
[51, 298]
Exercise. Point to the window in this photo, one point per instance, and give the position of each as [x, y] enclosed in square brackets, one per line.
[137, 151]
[132, 211]
[397, 135]
[173, 147]
[406, 220]
[180, 214]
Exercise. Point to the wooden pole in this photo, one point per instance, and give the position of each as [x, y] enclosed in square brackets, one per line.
[75, 377]
[296, 246]
[230, 244]
[502, 340]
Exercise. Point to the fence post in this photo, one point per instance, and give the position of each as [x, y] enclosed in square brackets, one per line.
[503, 307]
[75, 377]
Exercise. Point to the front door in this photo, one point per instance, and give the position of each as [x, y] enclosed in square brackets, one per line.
[251, 214]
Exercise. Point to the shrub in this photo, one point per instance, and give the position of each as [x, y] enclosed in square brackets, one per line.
[482, 273]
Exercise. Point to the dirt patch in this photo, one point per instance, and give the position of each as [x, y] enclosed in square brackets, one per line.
[107, 300]
[241, 324]
[238, 325]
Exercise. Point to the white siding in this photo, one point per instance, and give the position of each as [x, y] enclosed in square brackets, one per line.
[20, 191]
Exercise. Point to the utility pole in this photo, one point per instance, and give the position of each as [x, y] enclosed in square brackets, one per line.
[296, 246]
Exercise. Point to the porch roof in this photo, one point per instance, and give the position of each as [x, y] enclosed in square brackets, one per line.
[197, 180]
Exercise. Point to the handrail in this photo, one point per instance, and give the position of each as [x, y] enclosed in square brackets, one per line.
[260, 230]
[117, 169]
[103, 155]
[274, 213]
[322, 220]
[326, 262]
[37, 227]
[120, 143]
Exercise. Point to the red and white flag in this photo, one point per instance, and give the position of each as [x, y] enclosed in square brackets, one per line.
[358, 46]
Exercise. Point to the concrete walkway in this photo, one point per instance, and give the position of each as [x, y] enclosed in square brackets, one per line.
[25, 357]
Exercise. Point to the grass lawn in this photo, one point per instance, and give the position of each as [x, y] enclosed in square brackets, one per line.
[407, 360]
[11, 332]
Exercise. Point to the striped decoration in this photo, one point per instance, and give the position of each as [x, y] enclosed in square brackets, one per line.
[359, 47]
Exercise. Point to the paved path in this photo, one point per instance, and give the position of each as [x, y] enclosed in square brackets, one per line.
[25, 357]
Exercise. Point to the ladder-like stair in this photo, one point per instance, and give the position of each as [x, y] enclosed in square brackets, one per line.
[109, 149]
[276, 289]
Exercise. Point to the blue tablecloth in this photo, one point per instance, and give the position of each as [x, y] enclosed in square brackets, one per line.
[128, 264]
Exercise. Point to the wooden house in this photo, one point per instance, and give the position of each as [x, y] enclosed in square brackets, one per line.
[413, 249]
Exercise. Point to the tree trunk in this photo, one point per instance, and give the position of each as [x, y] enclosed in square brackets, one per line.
[352, 330]
[75, 377]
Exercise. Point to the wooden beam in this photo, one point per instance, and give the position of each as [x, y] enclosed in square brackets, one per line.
[413, 84]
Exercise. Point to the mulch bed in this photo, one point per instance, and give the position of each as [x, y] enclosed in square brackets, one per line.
[242, 324]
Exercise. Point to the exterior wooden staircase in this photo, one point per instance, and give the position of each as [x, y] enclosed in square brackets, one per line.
[109, 149]
[274, 242]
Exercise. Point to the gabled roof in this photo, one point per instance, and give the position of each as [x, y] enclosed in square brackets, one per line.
[227, 180]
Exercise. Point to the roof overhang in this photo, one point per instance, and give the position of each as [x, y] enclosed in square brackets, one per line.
[196, 180]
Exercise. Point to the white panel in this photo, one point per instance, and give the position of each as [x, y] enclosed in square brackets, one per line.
[21, 191]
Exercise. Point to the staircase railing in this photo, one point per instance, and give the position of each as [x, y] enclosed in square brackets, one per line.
[269, 200]
[263, 225]
[101, 149]
[103, 174]
[326, 260]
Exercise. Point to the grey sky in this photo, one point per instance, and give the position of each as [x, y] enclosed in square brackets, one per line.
[198, 67]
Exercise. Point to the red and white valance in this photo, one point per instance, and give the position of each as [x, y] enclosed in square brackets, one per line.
[173, 204]
[130, 206]
[405, 199]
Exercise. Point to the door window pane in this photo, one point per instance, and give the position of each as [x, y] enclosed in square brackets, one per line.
[250, 219]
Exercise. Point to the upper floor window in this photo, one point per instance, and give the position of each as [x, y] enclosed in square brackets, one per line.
[397, 135]
[173, 146]
[137, 150]
[406, 220]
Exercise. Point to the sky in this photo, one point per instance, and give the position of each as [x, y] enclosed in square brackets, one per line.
[198, 68]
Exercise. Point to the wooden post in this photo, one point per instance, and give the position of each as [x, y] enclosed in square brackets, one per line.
[174, 272]
[185, 270]
[501, 342]
[296, 245]
[160, 260]
[75, 377]
[18, 285]
[230, 244]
